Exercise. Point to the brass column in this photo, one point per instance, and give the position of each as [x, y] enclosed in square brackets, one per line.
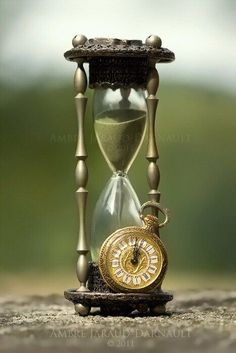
[81, 171]
[153, 173]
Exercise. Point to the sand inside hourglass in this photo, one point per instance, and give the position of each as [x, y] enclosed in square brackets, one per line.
[120, 133]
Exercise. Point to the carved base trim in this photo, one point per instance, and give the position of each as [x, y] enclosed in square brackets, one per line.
[121, 303]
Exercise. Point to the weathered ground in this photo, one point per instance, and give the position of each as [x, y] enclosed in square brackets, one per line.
[201, 321]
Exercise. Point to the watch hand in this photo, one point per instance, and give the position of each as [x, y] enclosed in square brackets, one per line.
[136, 253]
[140, 265]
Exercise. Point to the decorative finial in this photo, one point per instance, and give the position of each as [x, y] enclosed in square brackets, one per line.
[79, 39]
[153, 41]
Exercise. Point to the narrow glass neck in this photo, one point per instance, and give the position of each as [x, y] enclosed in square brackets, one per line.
[119, 173]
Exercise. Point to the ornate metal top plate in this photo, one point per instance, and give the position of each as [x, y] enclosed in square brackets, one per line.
[116, 63]
[113, 47]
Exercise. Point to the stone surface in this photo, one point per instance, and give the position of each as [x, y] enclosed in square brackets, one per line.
[200, 321]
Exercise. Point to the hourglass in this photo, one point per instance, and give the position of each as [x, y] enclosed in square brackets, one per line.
[128, 259]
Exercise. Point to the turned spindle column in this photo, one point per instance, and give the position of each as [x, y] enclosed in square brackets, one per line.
[153, 173]
[81, 172]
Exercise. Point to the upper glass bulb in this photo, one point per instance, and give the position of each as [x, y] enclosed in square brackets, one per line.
[119, 122]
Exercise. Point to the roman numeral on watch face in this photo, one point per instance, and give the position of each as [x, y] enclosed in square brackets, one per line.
[136, 280]
[153, 259]
[116, 253]
[123, 245]
[146, 277]
[115, 263]
[150, 249]
[118, 272]
[152, 269]
[126, 278]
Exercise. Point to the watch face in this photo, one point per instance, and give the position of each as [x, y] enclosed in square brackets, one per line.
[133, 260]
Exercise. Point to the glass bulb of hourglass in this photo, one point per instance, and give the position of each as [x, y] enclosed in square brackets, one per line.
[119, 122]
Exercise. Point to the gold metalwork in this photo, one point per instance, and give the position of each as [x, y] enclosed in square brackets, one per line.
[117, 255]
[154, 221]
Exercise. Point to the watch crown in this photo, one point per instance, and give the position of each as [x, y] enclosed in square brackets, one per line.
[151, 223]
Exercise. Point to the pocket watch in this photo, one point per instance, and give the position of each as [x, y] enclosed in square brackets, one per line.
[134, 259]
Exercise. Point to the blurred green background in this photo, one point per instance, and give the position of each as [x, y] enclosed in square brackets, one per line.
[38, 217]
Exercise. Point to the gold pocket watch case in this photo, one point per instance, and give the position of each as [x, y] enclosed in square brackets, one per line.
[133, 259]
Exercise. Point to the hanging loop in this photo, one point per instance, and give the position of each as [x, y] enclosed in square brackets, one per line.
[156, 205]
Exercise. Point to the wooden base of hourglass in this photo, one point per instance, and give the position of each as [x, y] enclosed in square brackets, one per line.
[110, 303]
